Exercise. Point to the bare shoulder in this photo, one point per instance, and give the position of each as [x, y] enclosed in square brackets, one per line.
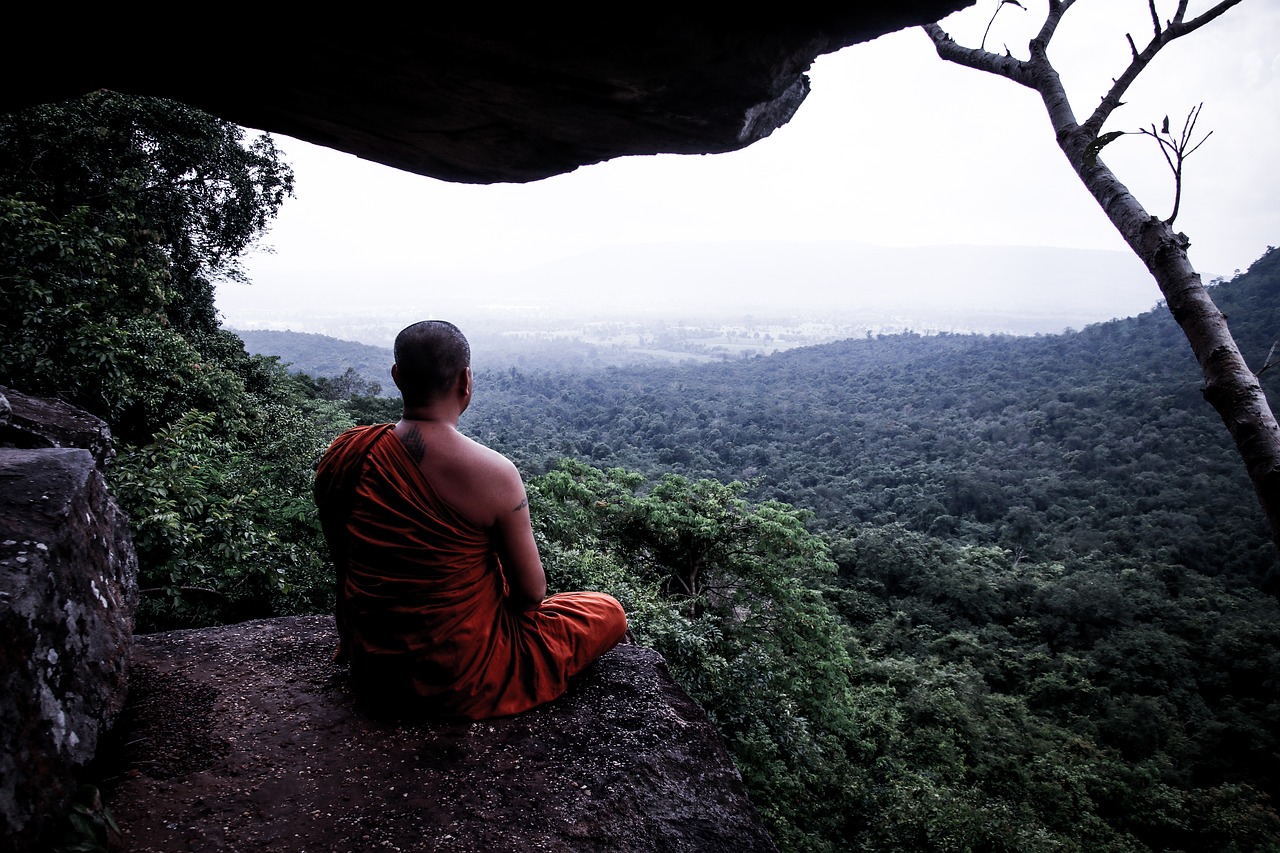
[497, 487]
[489, 462]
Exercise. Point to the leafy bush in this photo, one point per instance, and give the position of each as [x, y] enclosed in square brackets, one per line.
[225, 528]
[117, 213]
[726, 591]
[929, 696]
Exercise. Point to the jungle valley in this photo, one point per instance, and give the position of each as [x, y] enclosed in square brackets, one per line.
[937, 592]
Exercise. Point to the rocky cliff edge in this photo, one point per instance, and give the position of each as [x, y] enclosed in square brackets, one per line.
[246, 737]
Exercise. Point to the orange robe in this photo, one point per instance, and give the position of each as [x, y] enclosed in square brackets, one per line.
[422, 600]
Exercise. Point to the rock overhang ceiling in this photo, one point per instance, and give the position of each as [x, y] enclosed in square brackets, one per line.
[470, 101]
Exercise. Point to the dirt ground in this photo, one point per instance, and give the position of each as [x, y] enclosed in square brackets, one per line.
[247, 738]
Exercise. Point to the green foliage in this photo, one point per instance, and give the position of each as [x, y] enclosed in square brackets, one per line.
[724, 589]
[225, 527]
[1052, 447]
[342, 371]
[68, 330]
[182, 189]
[89, 827]
[1099, 702]
[54, 336]
[366, 409]
[929, 696]
[117, 213]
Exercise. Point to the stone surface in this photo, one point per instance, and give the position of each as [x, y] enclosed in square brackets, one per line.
[31, 422]
[464, 96]
[68, 589]
[246, 738]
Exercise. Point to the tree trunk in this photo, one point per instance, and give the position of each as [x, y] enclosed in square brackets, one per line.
[1229, 385]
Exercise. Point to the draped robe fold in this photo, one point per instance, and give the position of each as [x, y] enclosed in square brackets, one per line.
[423, 610]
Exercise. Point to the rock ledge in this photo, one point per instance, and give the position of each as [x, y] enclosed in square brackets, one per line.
[246, 737]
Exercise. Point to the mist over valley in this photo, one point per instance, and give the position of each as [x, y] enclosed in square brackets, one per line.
[713, 302]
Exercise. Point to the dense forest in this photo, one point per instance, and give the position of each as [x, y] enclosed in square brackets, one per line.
[1052, 446]
[1059, 523]
[1087, 442]
[938, 593]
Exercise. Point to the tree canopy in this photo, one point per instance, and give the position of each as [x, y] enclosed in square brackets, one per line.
[886, 690]
[1229, 385]
[117, 215]
[184, 192]
[938, 594]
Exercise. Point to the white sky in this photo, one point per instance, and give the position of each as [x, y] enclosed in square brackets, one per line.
[893, 147]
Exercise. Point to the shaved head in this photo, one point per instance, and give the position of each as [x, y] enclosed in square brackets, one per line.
[429, 358]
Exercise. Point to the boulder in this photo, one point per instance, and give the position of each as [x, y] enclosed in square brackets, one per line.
[68, 589]
[247, 737]
[32, 422]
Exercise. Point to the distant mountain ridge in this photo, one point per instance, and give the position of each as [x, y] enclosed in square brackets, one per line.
[321, 355]
[1058, 445]
[714, 301]
[1096, 439]
[1017, 289]
[758, 274]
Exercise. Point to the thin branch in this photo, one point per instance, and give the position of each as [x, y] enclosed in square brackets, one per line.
[999, 6]
[1176, 152]
[1268, 363]
[1176, 28]
[977, 59]
[183, 588]
[1182, 10]
[1155, 16]
[983, 44]
[1057, 8]
[1204, 18]
[1189, 126]
[1165, 147]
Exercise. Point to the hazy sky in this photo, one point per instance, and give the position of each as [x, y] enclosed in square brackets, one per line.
[893, 147]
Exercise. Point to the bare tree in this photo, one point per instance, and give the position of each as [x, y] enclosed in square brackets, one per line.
[1229, 385]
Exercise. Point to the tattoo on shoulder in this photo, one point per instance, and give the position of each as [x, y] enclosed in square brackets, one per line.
[524, 503]
[413, 443]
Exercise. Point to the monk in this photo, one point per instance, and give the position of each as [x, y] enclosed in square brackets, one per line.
[442, 598]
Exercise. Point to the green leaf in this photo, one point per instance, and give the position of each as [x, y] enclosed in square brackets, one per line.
[1091, 153]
